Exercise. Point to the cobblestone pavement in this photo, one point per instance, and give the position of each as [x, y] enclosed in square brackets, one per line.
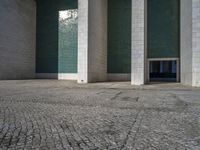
[49, 114]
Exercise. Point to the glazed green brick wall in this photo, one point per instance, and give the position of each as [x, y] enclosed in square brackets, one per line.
[68, 35]
[119, 36]
[163, 28]
[47, 54]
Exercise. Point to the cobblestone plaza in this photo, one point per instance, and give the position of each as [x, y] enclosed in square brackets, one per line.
[49, 114]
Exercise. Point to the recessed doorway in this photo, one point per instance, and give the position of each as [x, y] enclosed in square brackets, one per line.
[163, 70]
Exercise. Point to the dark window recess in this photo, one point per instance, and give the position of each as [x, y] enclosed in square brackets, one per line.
[163, 71]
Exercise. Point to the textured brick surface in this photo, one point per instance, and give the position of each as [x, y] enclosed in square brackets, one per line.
[196, 42]
[97, 40]
[47, 53]
[190, 42]
[163, 29]
[47, 114]
[119, 36]
[186, 42]
[138, 41]
[83, 41]
[68, 38]
[17, 39]
[92, 40]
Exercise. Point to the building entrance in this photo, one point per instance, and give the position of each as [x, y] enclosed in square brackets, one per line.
[163, 70]
[163, 40]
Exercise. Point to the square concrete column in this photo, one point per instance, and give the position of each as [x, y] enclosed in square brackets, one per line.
[196, 42]
[190, 42]
[138, 42]
[92, 41]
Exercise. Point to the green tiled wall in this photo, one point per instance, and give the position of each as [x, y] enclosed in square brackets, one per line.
[68, 42]
[163, 35]
[119, 36]
[163, 28]
[47, 54]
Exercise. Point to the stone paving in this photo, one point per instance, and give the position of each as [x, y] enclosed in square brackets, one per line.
[49, 114]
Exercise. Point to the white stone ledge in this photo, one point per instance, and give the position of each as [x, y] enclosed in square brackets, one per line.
[59, 76]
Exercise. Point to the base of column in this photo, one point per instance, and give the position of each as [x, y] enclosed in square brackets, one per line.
[59, 76]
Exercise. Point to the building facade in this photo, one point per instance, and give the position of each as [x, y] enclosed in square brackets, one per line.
[101, 40]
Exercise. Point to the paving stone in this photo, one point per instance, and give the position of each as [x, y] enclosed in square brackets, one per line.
[49, 114]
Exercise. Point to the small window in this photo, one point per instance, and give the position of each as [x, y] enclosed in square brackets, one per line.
[163, 71]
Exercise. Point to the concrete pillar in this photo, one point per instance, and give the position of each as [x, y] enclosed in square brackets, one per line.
[92, 41]
[138, 42]
[17, 39]
[190, 42]
[196, 42]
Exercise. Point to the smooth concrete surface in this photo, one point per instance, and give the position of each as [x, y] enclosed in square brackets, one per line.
[17, 39]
